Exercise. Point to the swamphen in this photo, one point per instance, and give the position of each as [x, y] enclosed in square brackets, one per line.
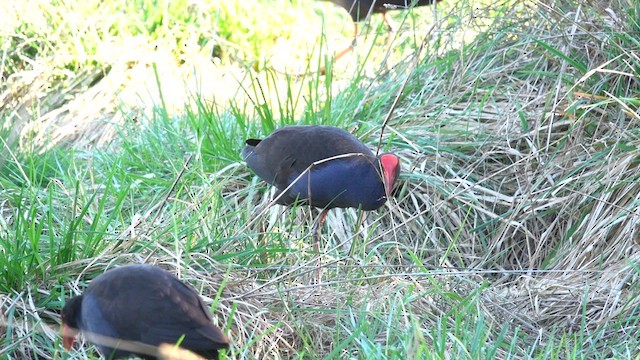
[132, 309]
[323, 166]
[359, 10]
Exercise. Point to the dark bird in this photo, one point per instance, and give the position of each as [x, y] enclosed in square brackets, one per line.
[360, 10]
[322, 166]
[132, 309]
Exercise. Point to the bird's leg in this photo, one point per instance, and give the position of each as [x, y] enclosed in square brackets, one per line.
[391, 35]
[360, 223]
[349, 48]
[317, 230]
[391, 25]
[345, 51]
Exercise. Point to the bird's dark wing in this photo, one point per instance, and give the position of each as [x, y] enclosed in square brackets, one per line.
[359, 9]
[154, 307]
[289, 151]
[183, 314]
[270, 164]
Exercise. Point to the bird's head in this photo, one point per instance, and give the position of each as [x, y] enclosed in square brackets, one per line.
[70, 317]
[390, 164]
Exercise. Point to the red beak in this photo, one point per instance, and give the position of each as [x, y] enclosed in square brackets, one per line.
[390, 170]
[68, 337]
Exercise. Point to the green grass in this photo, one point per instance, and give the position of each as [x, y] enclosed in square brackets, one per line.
[512, 235]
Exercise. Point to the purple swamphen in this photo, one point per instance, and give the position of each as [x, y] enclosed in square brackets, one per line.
[359, 10]
[133, 309]
[323, 166]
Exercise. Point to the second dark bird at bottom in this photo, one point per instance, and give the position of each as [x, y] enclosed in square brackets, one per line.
[133, 309]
